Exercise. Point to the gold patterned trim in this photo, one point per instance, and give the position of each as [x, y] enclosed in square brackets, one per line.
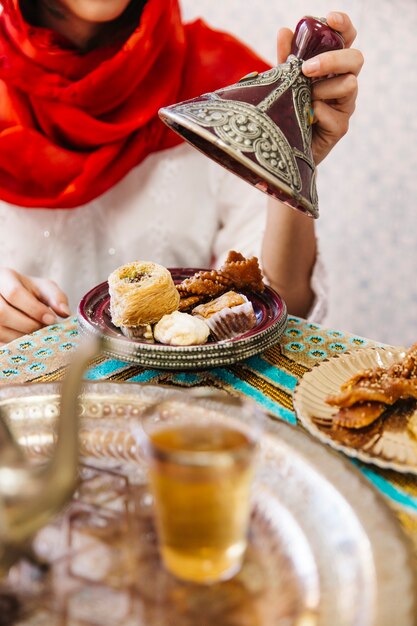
[274, 393]
[125, 374]
[405, 482]
[275, 357]
[51, 377]
[59, 373]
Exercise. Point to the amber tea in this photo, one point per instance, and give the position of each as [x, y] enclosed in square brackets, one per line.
[201, 477]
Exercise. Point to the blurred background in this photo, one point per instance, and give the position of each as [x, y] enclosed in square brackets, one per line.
[368, 186]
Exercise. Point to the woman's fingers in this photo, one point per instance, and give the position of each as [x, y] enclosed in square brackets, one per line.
[330, 126]
[7, 334]
[284, 40]
[341, 22]
[52, 295]
[334, 84]
[17, 291]
[340, 92]
[334, 88]
[347, 61]
[27, 304]
[12, 319]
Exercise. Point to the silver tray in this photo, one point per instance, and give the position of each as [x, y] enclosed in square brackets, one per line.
[325, 549]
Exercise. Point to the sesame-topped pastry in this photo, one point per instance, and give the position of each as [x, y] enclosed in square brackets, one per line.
[181, 329]
[228, 316]
[243, 274]
[140, 294]
[364, 397]
[237, 273]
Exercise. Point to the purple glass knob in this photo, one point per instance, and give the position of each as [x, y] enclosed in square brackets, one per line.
[313, 36]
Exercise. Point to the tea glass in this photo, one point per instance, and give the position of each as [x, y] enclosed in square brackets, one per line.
[201, 449]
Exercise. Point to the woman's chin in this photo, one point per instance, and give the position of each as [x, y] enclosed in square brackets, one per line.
[97, 11]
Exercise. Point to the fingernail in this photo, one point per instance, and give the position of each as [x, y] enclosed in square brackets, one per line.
[311, 66]
[48, 319]
[337, 18]
[64, 308]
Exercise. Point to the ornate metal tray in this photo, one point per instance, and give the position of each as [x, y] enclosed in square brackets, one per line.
[320, 538]
[387, 443]
[271, 313]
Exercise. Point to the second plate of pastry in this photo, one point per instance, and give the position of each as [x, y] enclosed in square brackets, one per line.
[244, 317]
[334, 402]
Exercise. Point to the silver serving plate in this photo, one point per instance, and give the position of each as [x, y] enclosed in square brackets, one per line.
[325, 549]
[94, 319]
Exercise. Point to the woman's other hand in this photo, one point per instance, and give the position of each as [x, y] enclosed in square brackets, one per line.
[27, 304]
[335, 84]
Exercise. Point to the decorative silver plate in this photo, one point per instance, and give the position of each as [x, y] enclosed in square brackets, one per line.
[270, 310]
[387, 443]
[324, 547]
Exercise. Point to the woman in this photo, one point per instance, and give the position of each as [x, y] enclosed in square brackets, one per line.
[89, 176]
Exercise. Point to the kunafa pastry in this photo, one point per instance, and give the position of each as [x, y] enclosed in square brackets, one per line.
[228, 316]
[181, 329]
[140, 294]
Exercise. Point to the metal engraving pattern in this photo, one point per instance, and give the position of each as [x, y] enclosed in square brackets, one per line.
[314, 197]
[287, 73]
[244, 128]
[291, 72]
[265, 78]
[319, 534]
[302, 104]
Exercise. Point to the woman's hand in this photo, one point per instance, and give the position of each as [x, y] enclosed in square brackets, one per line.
[335, 84]
[27, 304]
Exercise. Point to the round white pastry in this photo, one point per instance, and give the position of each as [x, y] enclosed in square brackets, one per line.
[181, 329]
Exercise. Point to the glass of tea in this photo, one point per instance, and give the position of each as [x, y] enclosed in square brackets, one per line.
[201, 448]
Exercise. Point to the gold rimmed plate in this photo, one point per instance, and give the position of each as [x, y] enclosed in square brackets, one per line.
[388, 443]
[270, 310]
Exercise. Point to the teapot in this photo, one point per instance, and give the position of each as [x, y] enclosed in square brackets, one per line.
[30, 495]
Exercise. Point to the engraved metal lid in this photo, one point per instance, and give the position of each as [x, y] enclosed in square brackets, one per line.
[260, 128]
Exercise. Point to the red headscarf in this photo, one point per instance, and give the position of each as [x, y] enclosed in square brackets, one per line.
[73, 124]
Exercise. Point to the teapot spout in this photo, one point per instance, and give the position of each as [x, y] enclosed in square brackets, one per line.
[32, 496]
[62, 472]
